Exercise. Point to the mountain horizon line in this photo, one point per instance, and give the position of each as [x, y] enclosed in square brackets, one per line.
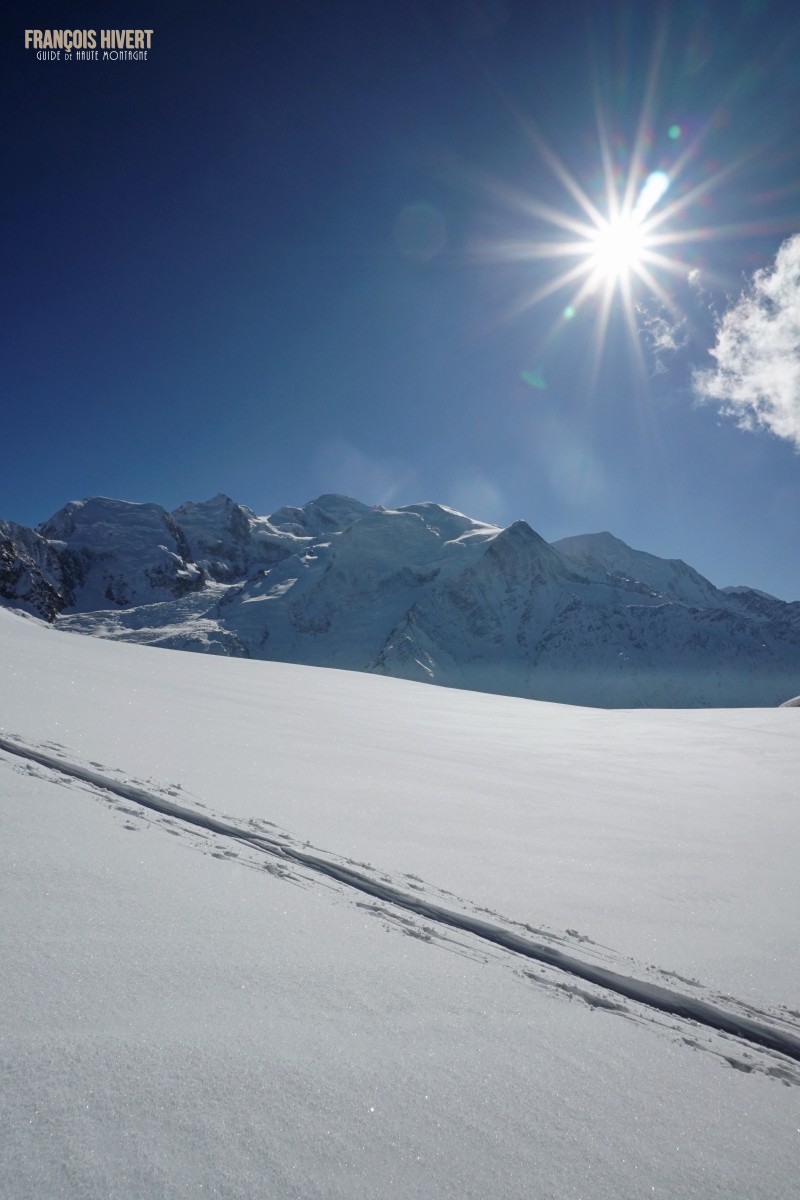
[377, 507]
[421, 591]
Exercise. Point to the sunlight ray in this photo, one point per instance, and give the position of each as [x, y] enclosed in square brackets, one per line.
[519, 251]
[629, 309]
[612, 198]
[673, 266]
[676, 207]
[567, 179]
[658, 290]
[552, 285]
[636, 171]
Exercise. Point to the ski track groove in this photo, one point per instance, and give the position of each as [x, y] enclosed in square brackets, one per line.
[675, 1003]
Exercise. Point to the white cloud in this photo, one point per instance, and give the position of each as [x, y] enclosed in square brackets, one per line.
[757, 353]
[663, 334]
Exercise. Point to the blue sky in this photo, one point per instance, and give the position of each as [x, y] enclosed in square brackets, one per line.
[294, 252]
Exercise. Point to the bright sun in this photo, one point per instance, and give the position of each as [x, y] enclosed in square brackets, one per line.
[614, 244]
[617, 241]
[618, 247]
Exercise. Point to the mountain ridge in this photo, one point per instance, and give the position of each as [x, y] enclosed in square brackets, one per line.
[421, 592]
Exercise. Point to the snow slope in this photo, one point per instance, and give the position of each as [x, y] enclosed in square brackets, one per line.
[667, 577]
[189, 1010]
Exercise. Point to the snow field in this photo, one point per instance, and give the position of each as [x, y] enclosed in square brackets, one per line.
[668, 836]
[182, 1025]
[179, 1020]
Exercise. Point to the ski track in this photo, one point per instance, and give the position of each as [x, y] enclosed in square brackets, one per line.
[749, 1028]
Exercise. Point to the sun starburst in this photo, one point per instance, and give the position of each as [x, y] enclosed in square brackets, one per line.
[628, 240]
[619, 242]
[615, 245]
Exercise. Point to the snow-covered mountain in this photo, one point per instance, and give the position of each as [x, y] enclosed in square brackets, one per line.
[667, 577]
[421, 592]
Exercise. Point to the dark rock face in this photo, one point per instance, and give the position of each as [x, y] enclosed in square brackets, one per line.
[34, 576]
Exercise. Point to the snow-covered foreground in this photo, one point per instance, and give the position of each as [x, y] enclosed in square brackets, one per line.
[186, 1010]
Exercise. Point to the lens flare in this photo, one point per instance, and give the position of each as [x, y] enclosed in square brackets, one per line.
[654, 188]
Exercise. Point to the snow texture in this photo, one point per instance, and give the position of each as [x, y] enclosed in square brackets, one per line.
[459, 996]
